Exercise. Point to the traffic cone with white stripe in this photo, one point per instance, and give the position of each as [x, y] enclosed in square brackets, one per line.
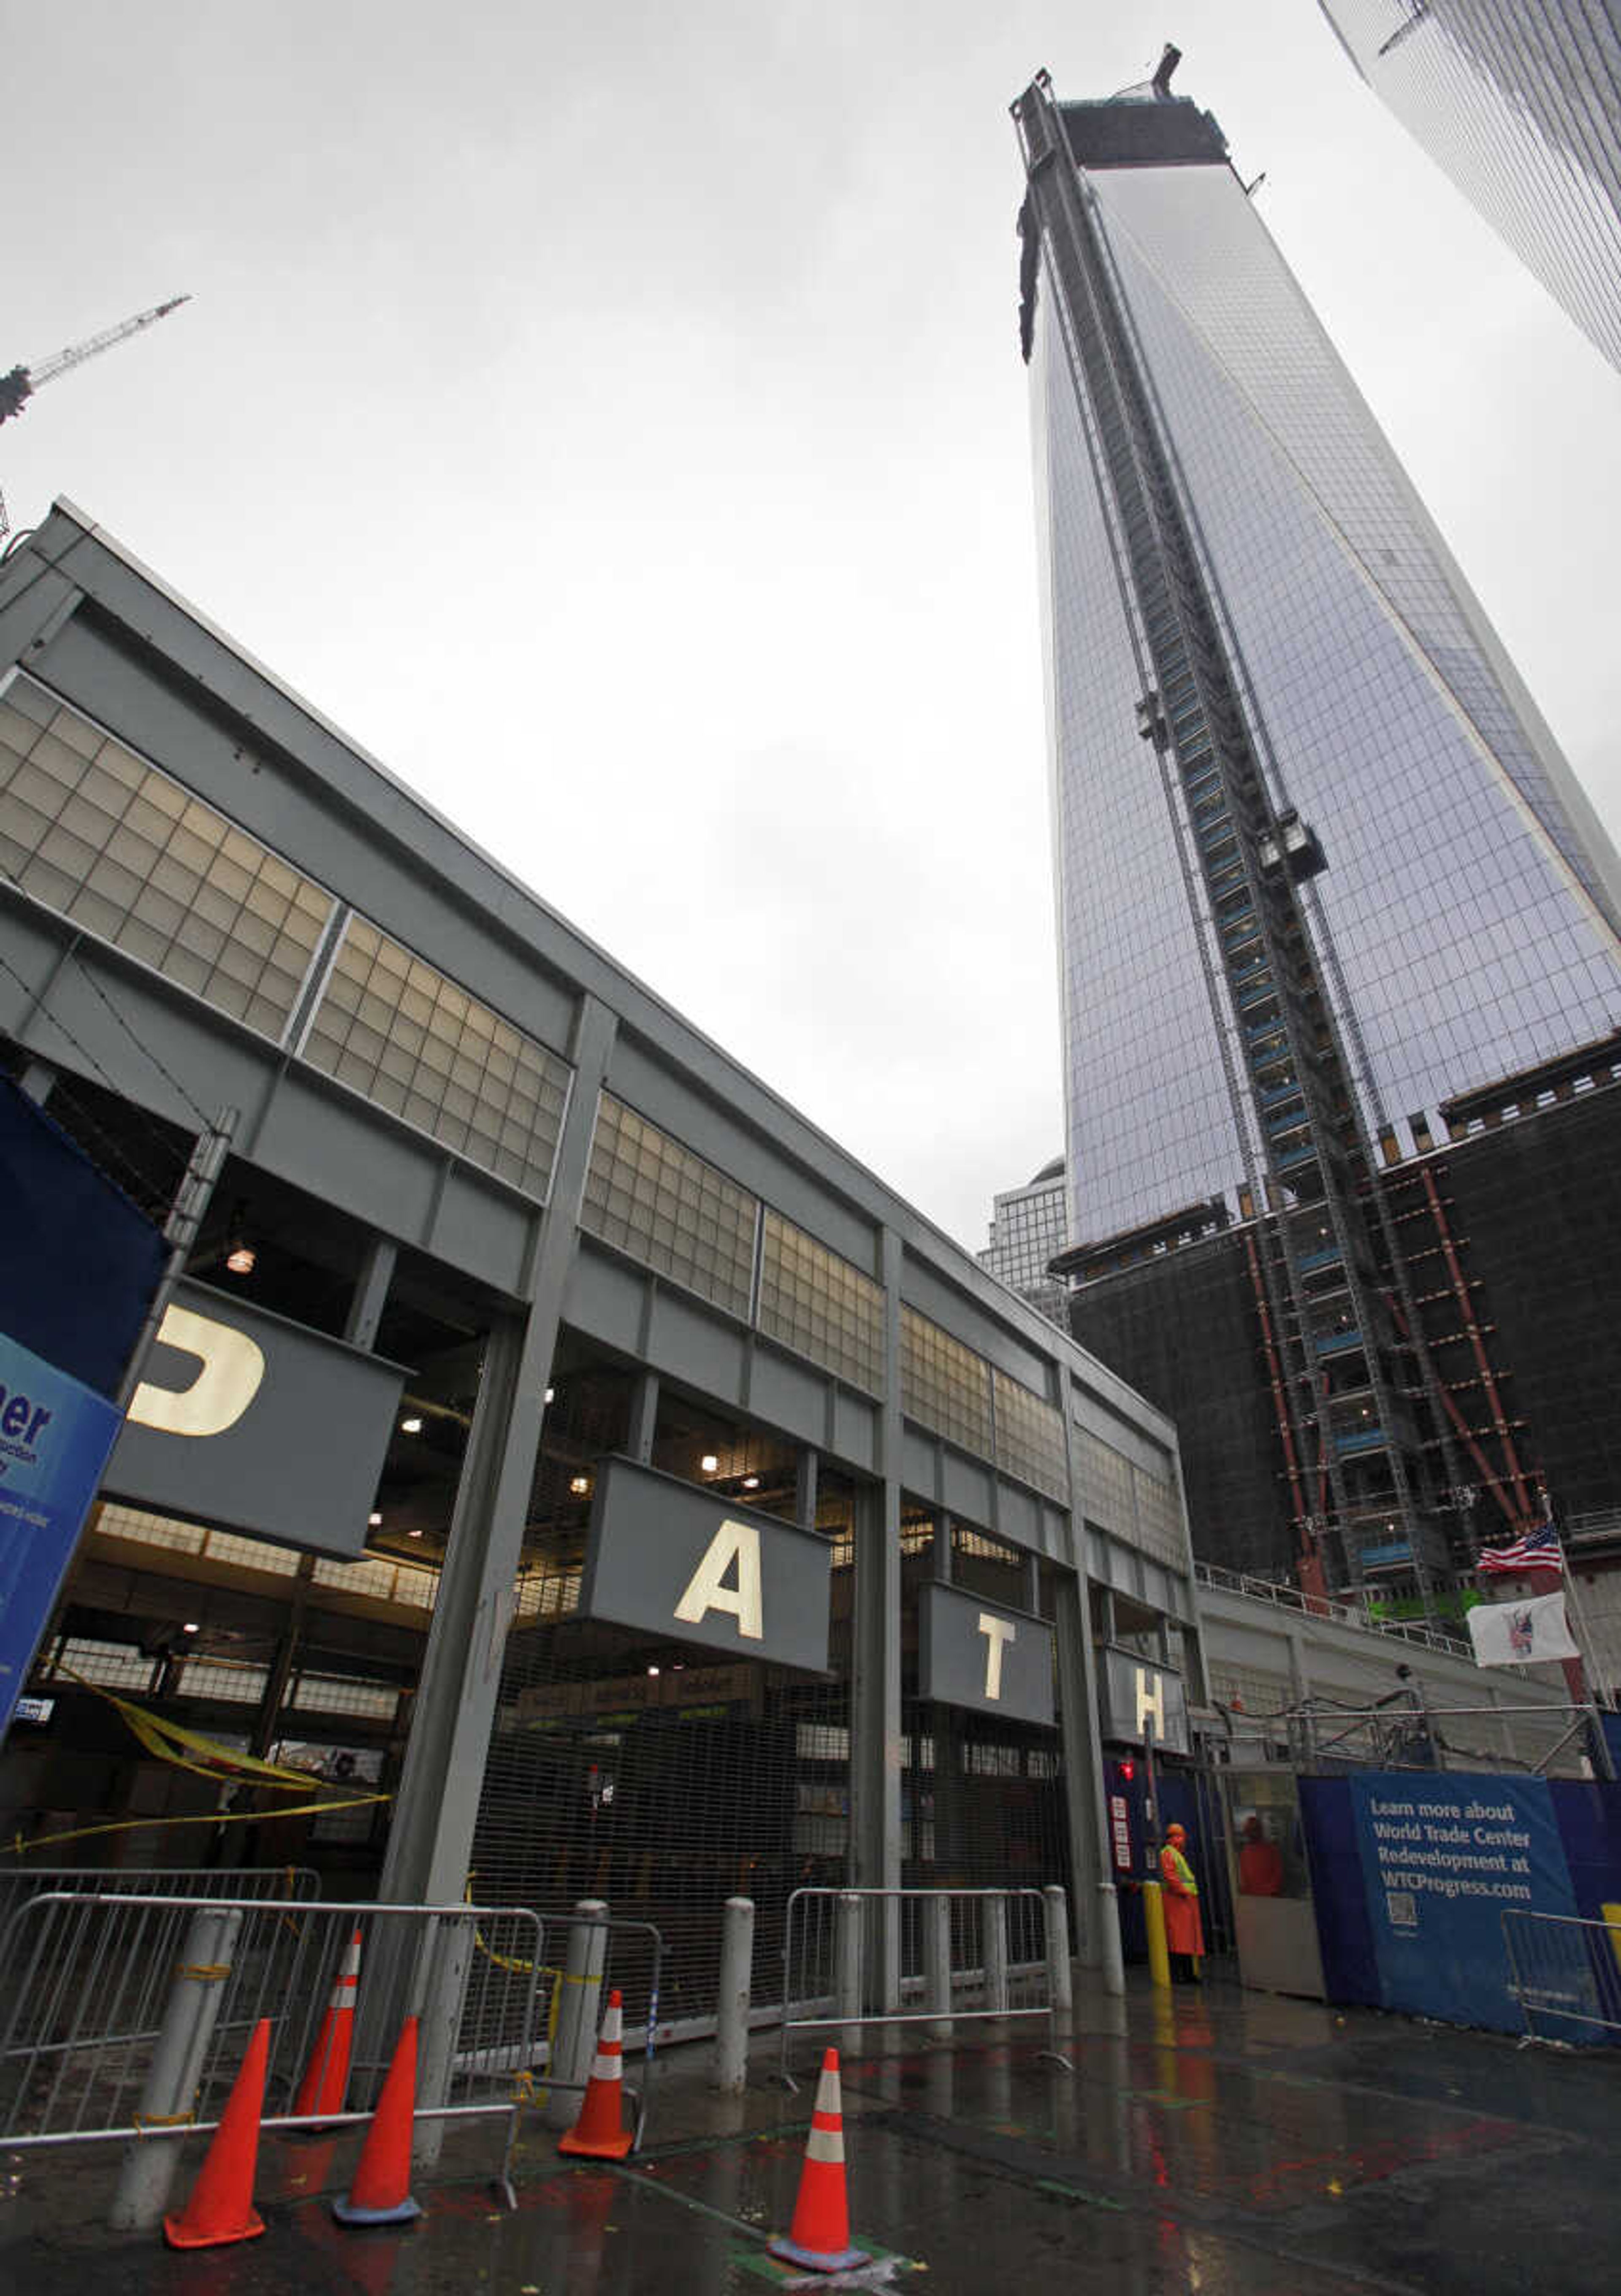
[820, 2237]
[600, 2133]
[325, 2081]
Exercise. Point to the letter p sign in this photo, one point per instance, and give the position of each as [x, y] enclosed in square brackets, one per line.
[230, 1368]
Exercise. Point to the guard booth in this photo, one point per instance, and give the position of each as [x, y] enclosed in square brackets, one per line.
[1274, 1920]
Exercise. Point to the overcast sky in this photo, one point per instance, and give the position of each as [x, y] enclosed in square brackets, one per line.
[613, 418]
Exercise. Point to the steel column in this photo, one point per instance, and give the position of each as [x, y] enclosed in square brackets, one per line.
[431, 1841]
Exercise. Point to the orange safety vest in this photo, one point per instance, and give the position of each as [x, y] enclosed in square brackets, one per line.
[1184, 1931]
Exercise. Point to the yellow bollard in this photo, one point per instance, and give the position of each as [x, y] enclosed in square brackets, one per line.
[1154, 1921]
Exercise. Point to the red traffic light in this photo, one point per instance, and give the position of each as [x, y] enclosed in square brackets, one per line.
[1128, 1771]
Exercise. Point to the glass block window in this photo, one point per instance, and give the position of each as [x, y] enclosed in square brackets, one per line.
[820, 1305]
[392, 1027]
[655, 1201]
[1139, 1507]
[944, 1384]
[117, 1666]
[245, 1684]
[338, 1694]
[96, 834]
[135, 1524]
[1030, 1438]
[1159, 1518]
[1105, 1476]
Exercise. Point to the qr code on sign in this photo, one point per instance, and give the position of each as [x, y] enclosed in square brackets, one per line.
[1400, 1907]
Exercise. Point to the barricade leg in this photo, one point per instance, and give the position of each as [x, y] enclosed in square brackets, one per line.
[847, 1960]
[937, 1964]
[575, 2041]
[732, 2009]
[995, 1933]
[169, 2096]
[444, 1988]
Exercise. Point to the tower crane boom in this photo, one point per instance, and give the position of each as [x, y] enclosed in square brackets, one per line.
[19, 386]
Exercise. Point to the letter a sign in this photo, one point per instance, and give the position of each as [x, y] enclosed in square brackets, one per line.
[736, 1544]
[664, 1557]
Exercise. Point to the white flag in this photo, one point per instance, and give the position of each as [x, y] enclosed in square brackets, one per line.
[1519, 1634]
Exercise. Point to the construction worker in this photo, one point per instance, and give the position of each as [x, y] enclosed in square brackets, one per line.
[1184, 1933]
[1260, 1862]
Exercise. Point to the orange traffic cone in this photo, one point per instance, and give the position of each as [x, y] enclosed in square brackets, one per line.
[820, 2237]
[380, 2194]
[325, 2080]
[600, 2133]
[221, 2206]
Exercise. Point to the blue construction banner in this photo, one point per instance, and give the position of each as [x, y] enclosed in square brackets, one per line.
[55, 1434]
[79, 1262]
[1443, 1858]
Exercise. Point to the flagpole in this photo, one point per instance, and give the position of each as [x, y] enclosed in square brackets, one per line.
[1582, 1631]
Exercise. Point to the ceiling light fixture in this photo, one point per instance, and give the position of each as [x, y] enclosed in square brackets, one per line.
[550, 1393]
[751, 1482]
[189, 1628]
[240, 1258]
[412, 1426]
[413, 1534]
[709, 1463]
[373, 1519]
[580, 1485]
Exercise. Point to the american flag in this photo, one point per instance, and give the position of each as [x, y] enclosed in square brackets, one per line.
[1538, 1550]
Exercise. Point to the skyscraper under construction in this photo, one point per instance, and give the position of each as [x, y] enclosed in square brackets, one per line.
[1328, 893]
[1520, 102]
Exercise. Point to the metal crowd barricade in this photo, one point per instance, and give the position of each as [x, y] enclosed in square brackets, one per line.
[18, 1883]
[601, 1954]
[127, 2014]
[968, 1955]
[1565, 1972]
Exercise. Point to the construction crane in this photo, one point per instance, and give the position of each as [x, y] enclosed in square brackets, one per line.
[19, 386]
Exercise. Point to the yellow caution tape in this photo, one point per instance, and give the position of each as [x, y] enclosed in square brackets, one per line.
[220, 1764]
[16, 1847]
[164, 2120]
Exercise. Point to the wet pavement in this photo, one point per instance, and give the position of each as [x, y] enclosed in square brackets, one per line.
[1219, 2141]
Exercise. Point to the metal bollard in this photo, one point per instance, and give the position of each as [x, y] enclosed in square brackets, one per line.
[937, 1964]
[994, 1919]
[168, 2098]
[1154, 1924]
[1060, 1977]
[732, 2010]
[1111, 1955]
[847, 1960]
[574, 2042]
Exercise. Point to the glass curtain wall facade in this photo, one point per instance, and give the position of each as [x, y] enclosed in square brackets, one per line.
[1519, 101]
[1318, 865]
[1029, 1227]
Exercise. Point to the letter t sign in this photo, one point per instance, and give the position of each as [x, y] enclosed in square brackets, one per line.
[997, 1632]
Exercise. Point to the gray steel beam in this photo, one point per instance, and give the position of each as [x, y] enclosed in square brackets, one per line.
[371, 1292]
[1097, 1913]
[875, 1693]
[431, 1841]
